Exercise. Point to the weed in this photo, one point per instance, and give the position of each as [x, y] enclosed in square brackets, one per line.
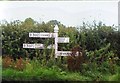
[7, 62]
[20, 64]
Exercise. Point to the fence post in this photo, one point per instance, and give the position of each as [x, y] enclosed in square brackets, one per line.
[56, 39]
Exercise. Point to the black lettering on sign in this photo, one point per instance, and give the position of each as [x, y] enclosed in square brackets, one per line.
[35, 34]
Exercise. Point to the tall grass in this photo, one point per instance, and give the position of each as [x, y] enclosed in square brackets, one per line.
[0, 67]
[36, 71]
[115, 77]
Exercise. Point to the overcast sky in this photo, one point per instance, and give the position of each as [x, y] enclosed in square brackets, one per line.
[69, 13]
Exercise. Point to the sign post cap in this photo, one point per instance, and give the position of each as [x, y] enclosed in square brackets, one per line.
[56, 28]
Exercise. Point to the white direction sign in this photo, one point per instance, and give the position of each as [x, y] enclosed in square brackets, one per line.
[55, 46]
[64, 53]
[37, 46]
[51, 47]
[42, 35]
[63, 39]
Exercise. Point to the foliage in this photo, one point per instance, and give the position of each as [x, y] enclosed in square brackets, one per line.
[7, 62]
[90, 37]
[115, 77]
[100, 50]
[76, 59]
[19, 64]
[35, 71]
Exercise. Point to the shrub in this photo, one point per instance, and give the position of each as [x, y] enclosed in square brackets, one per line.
[74, 61]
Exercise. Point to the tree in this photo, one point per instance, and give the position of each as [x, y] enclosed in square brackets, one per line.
[28, 23]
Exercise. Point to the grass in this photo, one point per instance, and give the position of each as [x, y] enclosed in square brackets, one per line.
[0, 67]
[115, 77]
[35, 71]
[42, 74]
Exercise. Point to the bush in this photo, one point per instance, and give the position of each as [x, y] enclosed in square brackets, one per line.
[76, 59]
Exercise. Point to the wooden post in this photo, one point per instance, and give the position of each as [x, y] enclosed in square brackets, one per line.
[56, 39]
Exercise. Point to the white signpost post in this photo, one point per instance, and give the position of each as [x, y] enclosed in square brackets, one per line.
[49, 35]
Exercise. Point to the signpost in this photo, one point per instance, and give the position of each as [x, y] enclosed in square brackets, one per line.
[63, 39]
[56, 40]
[51, 47]
[42, 35]
[37, 46]
[64, 53]
[49, 35]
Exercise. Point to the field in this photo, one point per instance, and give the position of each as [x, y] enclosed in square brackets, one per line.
[97, 44]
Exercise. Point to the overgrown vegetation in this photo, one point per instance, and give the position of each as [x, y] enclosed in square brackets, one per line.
[35, 71]
[97, 45]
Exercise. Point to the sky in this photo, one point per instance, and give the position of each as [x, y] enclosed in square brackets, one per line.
[69, 13]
